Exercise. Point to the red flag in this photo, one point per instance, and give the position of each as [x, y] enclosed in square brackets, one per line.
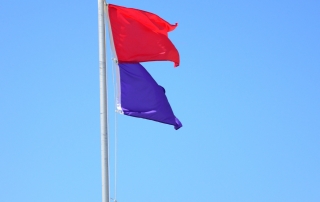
[140, 36]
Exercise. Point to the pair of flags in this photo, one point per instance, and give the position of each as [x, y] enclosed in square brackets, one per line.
[140, 36]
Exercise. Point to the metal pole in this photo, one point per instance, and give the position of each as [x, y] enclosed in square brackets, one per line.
[103, 103]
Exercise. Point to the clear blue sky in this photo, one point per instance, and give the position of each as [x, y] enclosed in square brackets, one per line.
[247, 92]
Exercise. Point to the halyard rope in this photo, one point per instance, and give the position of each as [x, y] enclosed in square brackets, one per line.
[115, 129]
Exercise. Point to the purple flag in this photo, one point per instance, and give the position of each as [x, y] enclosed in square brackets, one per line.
[142, 97]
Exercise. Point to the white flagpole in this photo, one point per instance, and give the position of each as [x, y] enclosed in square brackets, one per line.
[103, 102]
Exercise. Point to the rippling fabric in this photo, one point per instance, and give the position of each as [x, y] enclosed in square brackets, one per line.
[140, 36]
[142, 97]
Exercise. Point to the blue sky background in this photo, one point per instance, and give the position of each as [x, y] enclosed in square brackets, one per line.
[247, 92]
